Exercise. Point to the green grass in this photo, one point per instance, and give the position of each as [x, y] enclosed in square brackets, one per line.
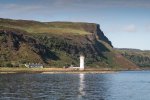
[135, 52]
[48, 27]
[48, 34]
[139, 57]
[56, 31]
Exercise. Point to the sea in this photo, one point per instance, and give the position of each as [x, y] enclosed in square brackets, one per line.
[123, 85]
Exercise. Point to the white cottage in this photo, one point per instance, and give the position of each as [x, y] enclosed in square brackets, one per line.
[32, 65]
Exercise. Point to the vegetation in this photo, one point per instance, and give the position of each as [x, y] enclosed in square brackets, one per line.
[56, 44]
[34, 27]
[139, 57]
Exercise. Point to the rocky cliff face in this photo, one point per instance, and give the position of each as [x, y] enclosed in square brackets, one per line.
[16, 46]
[55, 44]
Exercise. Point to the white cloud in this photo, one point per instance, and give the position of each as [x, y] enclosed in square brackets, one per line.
[148, 28]
[21, 7]
[103, 3]
[130, 28]
[50, 5]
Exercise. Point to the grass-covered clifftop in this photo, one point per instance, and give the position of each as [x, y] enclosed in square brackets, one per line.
[57, 44]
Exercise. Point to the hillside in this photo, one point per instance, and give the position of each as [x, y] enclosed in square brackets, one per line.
[57, 44]
[139, 57]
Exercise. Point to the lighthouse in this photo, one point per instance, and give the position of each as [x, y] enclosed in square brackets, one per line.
[81, 62]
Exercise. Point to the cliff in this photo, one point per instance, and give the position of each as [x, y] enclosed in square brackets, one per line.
[57, 44]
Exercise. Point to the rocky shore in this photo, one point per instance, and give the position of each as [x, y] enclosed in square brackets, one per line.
[51, 70]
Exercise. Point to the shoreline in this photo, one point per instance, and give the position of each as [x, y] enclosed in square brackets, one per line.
[52, 71]
[80, 72]
[4, 70]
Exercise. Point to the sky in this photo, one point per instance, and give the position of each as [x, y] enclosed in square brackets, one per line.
[125, 22]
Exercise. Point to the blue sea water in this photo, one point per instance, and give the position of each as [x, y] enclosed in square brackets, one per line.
[127, 85]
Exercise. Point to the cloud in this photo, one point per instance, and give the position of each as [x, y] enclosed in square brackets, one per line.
[102, 3]
[20, 7]
[56, 8]
[130, 28]
[16, 10]
[148, 28]
[50, 5]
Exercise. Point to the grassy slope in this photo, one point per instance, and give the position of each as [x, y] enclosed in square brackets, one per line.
[75, 35]
[47, 27]
[139, 57]
[24, 54]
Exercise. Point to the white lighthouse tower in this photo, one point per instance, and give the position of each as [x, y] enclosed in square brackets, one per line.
[81, 62]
